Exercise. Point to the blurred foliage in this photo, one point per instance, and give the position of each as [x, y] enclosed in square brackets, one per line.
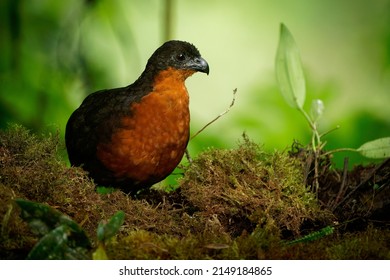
[61, 237]
[54, 53]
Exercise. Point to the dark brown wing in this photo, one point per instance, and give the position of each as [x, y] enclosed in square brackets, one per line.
[95, 121]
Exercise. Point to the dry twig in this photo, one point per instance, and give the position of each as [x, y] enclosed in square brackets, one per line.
[220, 115]
[204, 127]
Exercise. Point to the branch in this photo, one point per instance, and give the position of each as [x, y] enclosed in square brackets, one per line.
[220, 115]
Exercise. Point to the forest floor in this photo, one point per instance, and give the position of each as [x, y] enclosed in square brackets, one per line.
[241, 203]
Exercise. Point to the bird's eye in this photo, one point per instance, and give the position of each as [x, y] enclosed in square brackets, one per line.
[181, 57]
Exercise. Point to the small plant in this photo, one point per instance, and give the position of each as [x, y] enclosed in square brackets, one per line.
[291, 81]
[61, 237]
[313, 236]
[105, 231]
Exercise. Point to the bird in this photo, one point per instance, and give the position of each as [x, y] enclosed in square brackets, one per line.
[135, 136]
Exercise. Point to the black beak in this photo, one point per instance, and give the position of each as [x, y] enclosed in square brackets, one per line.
[199, 64]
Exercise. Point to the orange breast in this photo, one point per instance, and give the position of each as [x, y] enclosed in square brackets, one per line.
[153, 139]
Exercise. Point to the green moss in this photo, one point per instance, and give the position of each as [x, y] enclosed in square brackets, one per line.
[248, 184]
[242, 203]
[32, 169]
[369, 244]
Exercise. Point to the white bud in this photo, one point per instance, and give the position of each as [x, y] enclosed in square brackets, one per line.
[317, 109]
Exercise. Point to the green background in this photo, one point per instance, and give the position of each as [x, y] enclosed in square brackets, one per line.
[54, 53]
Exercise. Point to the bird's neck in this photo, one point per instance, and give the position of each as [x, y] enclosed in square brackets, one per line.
[171, 79]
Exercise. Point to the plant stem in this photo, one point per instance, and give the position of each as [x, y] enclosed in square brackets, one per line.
[316, 138]
[340, 150]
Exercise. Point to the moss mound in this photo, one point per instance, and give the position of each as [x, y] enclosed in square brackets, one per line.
[250, 186]
[242, 203]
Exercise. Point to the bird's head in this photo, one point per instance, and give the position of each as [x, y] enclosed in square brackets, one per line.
[178, 55]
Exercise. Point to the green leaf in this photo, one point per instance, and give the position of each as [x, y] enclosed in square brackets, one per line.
[108, 230]
[56, 246]
[289, 71]
[313, 236]
[100, 231]
[43, 219]
[379, 148]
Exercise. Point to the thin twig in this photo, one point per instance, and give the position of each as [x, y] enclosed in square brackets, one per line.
[343, 183]
[340, 150]
[220, 115]
[329, 131]
[316, 174]
[362, 183]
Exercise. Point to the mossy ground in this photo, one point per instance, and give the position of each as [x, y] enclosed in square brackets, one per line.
[243, 203]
